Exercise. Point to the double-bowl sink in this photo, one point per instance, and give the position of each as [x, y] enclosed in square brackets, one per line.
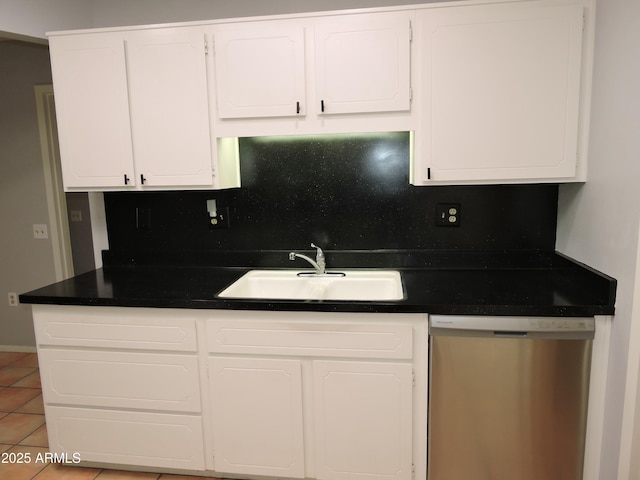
[346, 285]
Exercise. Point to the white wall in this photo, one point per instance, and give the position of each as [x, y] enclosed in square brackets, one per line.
[35, 17]
[598, 221]
[139, 12]
[630, 438]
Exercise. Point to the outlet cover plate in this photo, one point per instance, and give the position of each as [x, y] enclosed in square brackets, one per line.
[40, 231]
[448, 214]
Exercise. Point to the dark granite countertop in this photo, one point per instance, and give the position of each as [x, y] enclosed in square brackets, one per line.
[462, 283]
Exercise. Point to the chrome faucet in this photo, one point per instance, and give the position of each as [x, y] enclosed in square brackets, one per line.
[319, 263]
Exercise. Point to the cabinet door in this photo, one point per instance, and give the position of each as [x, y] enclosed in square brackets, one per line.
[257, 416]
[169, 106]
[501, 86]
[363, 426]
[92, 109]
[260, 69]
[363, 63]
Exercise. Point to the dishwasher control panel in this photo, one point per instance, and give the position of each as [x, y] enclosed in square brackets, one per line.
[554, 324]
[512, 324]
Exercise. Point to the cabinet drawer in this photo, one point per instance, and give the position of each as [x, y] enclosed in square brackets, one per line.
[120, 380]
[128, 438]
[310, 338]
[115, 327]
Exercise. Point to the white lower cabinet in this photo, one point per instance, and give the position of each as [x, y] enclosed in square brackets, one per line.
[317, 395]
[361, 417]
[328, 396]
[121, 386]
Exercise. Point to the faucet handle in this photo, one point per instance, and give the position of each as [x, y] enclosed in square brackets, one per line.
[319, 252]
[320, 259]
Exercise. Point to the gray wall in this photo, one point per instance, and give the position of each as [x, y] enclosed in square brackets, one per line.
[26, 263]
[80, 234]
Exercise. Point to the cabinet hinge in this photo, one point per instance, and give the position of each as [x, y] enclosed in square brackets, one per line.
[413, 470]
[206, 46]
[584, 20]
[413, 379]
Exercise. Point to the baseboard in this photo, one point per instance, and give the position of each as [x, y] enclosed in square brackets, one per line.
[17, 348]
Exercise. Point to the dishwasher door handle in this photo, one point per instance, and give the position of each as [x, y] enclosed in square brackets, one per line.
[510, 334]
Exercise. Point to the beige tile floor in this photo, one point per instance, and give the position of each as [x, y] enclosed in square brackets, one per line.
[23, 429]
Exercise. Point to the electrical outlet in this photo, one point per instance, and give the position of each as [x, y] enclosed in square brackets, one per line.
[221, 220]
[448, 215]
[75, 215]
[13, 299]
[40, 231]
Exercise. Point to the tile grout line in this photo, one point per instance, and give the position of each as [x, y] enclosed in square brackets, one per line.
[17, 444]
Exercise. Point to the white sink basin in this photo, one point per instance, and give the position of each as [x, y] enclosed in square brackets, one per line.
[371, 285]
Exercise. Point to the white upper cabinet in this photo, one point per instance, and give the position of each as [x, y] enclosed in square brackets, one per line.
[169, 106]
[313, 75]
[494, 92]
[259, 67]
[92, 109]
[133, 108]
[363, 63]
[500, 88]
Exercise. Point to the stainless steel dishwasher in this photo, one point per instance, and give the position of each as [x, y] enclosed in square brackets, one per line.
[508, 397]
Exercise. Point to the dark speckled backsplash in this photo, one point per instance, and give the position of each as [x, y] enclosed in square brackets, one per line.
[343, 193]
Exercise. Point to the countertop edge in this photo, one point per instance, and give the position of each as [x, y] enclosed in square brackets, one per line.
[568, 288]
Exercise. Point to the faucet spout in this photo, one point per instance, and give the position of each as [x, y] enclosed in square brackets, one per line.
[293, 256]
[319, 264]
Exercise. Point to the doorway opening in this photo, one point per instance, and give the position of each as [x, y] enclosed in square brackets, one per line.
[69, 213]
